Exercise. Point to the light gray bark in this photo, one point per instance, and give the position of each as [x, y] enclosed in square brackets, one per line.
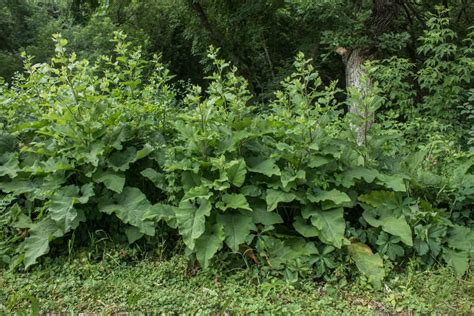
[354, 66]
[384, 12]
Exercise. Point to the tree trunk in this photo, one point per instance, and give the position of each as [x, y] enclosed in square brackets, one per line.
[354, 74]
[383, 14]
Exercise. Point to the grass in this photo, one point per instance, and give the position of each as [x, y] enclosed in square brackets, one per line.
[115, 284]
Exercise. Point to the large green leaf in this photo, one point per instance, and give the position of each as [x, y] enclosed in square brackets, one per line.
[316, 161]
[382, 199]
[235, 201]
[7, 142]
[191, 219]
[121, 160]
[144, 152]
[261, 216]
[130, 207]
[133, 234]
[458, 260]
[273, 197]
[157, 178]
[112, 180]
[267, 167]
[305, 229]
[396, 226]
[208, 244]
[335, 196]
[18, 186]
[394, 182]
[61, 206]
[331, 225]
[461, 238]
[359, 173]
[160, 212]
[37, 244]
[237, 227]
[236, 171]
[9, 165]
[368, 263]
[199, 192]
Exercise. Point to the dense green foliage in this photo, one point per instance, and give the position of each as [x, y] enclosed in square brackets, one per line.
[158, 125]
[112, 145]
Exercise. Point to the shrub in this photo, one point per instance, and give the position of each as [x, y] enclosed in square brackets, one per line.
[283, 183]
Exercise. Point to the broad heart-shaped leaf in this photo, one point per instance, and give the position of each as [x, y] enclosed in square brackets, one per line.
[331, 224]
[9, 165]
[19, 186]
[157, 178]
[112, 180]
[61, 206]
[358, 173]
[191, 219]
[316, 161]
[385, 199]
[461, 238]
[368, 263]
[237, 227]
[121, 160]
[208, 244]
[267, 167]
[130, 207]
[133, 234]
[261, 216]
[37, 244]
[396, 226]
[236, 171]
[335, 196]
[459, 260]
[235, 201]
[305, 229]
[160, 212]
[394, 182]
[274, 197]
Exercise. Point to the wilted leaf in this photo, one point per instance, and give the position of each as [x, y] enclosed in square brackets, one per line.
[368, 263]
